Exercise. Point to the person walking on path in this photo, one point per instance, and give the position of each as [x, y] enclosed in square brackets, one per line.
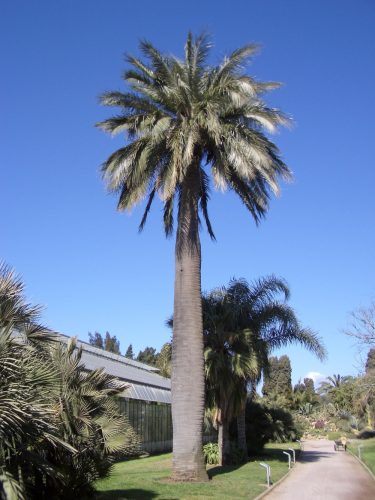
[325, 474]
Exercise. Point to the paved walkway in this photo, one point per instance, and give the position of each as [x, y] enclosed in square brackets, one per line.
[324, 474]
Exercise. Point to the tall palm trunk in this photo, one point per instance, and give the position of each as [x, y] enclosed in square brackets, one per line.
[241, 433]
[187, 353]
[241, 419]
[223, 443]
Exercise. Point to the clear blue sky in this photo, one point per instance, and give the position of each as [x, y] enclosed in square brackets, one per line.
[87, 264]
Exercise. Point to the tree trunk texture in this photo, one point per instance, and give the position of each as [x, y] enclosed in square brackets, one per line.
[241, 433]
[187, 351]
[223, 443]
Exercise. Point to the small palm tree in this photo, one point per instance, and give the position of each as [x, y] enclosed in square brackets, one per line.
[60, 428]
[28, 424]
[253, 315]
[331, 383]
[89, 420]
[164, 360]
[182, 117]
[229, 362]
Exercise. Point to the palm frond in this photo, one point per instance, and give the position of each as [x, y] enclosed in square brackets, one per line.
[204, 197]
[168, 216]
[147, 209]
[160, 63]
[234, 62]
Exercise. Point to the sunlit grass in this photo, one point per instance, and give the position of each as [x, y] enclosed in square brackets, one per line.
[367, 451]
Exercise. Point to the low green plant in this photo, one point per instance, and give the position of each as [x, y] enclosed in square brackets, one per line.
[211, 453]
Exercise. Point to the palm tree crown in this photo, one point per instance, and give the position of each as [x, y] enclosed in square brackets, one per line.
[180, 115]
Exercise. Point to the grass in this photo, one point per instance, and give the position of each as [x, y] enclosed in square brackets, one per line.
[367, 451]
[334, 436]
[280, 446]
[147, 478]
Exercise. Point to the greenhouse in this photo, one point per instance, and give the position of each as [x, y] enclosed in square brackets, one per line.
[147, 400]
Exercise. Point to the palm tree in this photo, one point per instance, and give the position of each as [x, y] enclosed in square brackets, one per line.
[336, 380]
[27, 419]
[60, 427]
[331, 383]
[164, 360]
[252, 313]
[182, 117]
[89, 420]
[232, 357]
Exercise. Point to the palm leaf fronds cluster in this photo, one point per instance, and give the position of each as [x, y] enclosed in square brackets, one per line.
[60, 428]
[180, 115]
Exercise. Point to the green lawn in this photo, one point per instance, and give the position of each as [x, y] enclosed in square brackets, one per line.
[147, 478]
[367, 451]
[333, 436]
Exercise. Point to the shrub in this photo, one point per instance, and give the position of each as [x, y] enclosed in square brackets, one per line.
[319, 424]
[211, 453]
[265, 424]
[366, 434]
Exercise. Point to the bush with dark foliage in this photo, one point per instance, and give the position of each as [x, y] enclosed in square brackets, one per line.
[264, 424]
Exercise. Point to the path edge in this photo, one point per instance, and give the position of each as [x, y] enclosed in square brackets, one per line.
[268, 490]
[362, 463]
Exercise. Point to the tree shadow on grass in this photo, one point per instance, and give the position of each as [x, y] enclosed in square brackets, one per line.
[273, 454]
[128, 494]
[225, 469]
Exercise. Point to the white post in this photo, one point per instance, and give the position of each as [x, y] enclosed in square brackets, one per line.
[268, 472]
[289, 458]
[294, 454]
[359, 451]
[300, 443]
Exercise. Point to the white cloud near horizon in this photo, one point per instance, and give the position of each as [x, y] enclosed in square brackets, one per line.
[316, 377]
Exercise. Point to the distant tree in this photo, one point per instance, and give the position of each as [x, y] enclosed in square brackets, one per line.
[111, 343]
[299, 387]
[148, 356]
[362, 325]
[332, 382]
[309, 384]
[340, 391]
[278, 380]
[164, 360]
[370, 362]
[304, 393]
[108, 343]
[343, 396]
[96, 340]
[129, 352]
[367, 390]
